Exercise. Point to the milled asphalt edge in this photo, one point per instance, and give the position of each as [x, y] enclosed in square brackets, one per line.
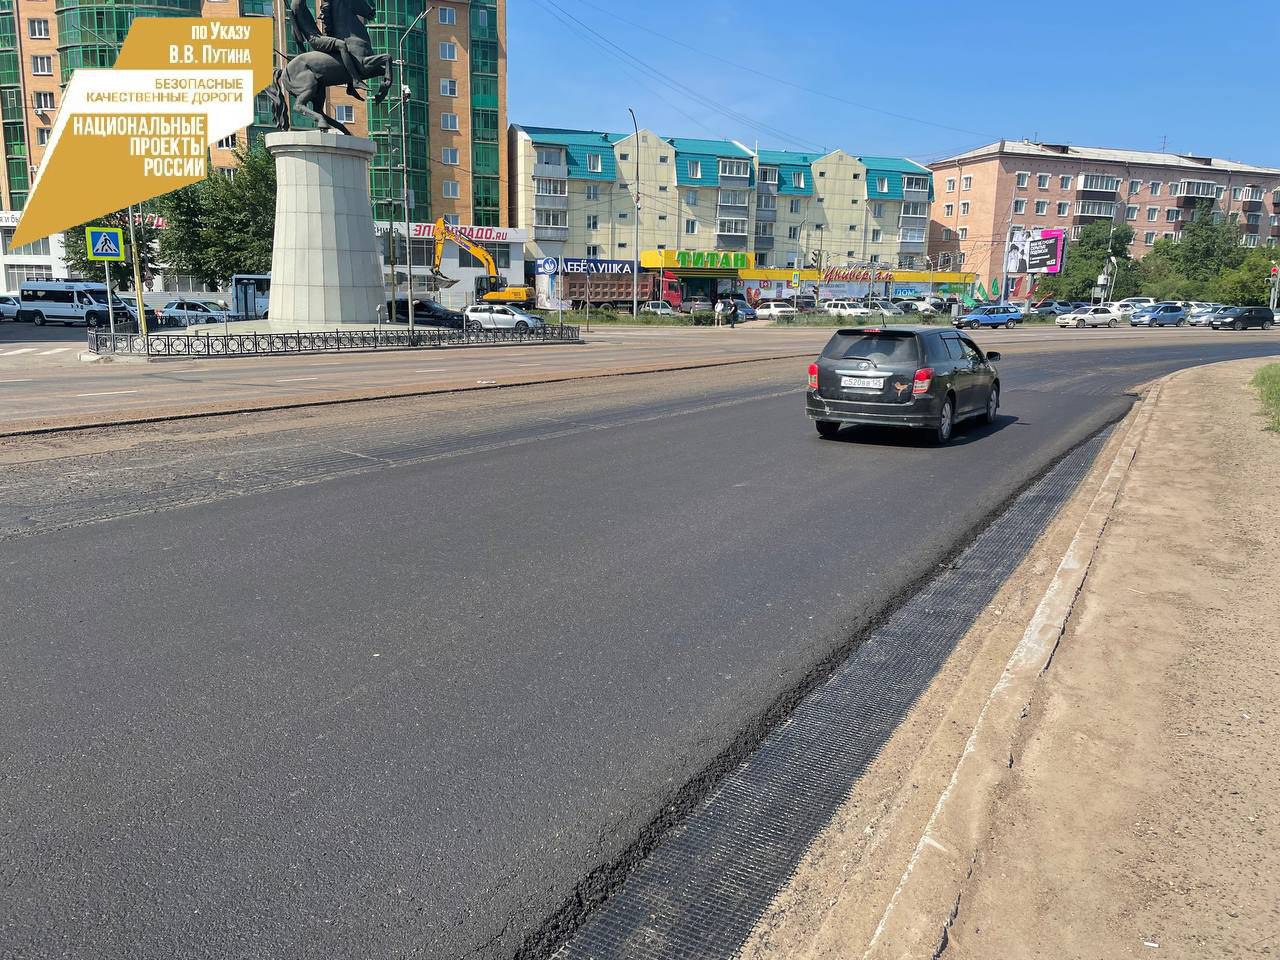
[917, 919]
[303, 402]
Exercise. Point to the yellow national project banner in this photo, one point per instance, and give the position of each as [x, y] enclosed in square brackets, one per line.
[144, 127]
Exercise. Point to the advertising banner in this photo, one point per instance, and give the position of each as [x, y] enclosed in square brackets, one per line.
[144, 127]
[596, 267]
[1036, 251]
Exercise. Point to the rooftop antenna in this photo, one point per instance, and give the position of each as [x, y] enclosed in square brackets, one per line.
[1164, 143]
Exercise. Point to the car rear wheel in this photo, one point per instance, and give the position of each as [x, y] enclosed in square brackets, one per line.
[1009, 325]
[993, 405]
[1237, 325]
[827, 428]
[1266, 324]
[37, 318]
[946, 421]
[1111, 323]
[522, 327]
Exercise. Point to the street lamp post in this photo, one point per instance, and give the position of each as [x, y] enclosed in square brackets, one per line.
[635, 253]
[795, 294]
[404, 162]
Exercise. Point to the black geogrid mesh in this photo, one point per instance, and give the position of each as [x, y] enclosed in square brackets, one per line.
[700, 893]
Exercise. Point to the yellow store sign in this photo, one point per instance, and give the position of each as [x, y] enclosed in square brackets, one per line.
[695, 259]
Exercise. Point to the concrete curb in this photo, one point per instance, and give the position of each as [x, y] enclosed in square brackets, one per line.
[919, 914]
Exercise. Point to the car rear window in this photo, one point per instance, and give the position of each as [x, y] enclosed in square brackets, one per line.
[883, 347]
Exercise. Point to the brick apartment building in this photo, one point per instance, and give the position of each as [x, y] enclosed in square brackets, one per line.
[456, 67]
[979, 194]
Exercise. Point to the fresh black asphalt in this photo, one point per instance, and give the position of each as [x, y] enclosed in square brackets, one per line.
[402, 711]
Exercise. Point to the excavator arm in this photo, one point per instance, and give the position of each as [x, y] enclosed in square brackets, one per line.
[491, 284]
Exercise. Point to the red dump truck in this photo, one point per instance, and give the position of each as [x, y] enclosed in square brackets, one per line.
[613, 289]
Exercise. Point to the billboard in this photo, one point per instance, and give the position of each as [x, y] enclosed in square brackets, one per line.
[1036, 251]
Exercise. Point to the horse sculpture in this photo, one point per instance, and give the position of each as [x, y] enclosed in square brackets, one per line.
[341, 54]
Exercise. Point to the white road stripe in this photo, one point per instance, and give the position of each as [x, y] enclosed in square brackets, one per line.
[434, 370]
[106, 393]
[45, 353]
[14, 353]
[16, 381]
[296, 379]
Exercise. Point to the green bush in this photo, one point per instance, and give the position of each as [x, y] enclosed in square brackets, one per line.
[1267, 380]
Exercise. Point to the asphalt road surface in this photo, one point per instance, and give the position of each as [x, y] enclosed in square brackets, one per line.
[388, 679]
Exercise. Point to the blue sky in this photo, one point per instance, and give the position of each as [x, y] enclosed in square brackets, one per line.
[1083, 72]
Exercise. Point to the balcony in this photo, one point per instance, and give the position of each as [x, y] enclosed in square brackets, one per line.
[1088, 211]
[767, 187]
[552, 171]
[915, 196]
[548, 201]
[763, 242]
[766, 215]
[1105, 187]
[550, 233]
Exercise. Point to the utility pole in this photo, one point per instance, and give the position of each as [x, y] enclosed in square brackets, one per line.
[404, 165]
[1008, 243]
[635, 253]
[799, 265]
[137, 276]
[1275, 284]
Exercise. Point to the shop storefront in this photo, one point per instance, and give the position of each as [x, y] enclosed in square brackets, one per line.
[705, 273]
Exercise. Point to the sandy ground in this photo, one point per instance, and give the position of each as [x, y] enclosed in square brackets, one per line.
[1139, 815]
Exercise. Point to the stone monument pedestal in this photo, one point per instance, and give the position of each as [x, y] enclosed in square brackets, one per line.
[325, 263]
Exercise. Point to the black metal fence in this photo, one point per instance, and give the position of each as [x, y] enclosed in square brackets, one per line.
[210, 344]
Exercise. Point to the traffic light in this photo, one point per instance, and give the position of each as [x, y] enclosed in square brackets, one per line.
[815, 259]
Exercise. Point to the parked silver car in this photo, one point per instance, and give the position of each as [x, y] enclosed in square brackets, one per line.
[500, 316]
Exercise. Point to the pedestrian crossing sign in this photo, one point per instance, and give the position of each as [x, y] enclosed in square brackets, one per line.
[104, 243]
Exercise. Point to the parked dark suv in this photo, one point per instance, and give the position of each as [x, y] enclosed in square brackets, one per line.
[924, 377]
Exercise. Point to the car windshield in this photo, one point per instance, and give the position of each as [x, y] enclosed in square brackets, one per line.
[883, 347]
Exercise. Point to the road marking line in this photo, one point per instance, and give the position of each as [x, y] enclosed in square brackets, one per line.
[106, 393]
[14, 353]
[28, 380]
[296, 379]
[45, 353]
[434, 370]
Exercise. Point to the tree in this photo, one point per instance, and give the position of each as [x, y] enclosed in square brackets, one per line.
[1086, 259]
[223, 225]
[1248, 284]
[1187, 269]
[79, 264]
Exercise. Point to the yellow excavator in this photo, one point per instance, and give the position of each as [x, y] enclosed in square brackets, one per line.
[490, 288]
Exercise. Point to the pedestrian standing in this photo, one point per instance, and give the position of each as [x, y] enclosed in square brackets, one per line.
[733, 314]
[720, 311]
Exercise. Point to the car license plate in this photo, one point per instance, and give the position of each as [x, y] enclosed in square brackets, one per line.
[874, 383]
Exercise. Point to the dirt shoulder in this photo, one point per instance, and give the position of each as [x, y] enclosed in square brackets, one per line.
[1130, 808]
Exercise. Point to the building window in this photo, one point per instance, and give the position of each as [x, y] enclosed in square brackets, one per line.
[694, 168]
[593, 191]
[448, 50]
[42, 136]
[593, 252]
[915, 183]
[690, 227]
[451, 219]
[38, 29]
[766, 201]
[1024, 177]
[1042, 208]
[595, 163]
[877, 210]
[963, 233]
[1064, 181]
[550, 187]
[42, 65]
[1153, 214]
[794, 205]
[344, 113]
[764, 229]
[793, 233]
[227, 143]
[548, 156]
[691, 198]
[874, 258]
[593, 221]
[43, 100]
[1019, 206]
[1155, 187]
[1064, 207]
[882, 184]
[951, 185]
[734, 227]
[1171, 215]
[622, 215]
[448, 88]
[949, 210]
[624, 156]
[622, 245]
[735, 168]
[947, 233]
[449, 156]
[966, 183]
[1042, 181]
[964, 208]
[733, 198]
[451, 190]
[875, 234]
[768, 174]
[1131, 212]
[662, 188]
[448, 121]
[1135, 187]
[551, 218]
[448, 16]
[797, 179]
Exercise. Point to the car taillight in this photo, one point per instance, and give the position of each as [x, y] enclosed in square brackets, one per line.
[813, 376]
[924, 377]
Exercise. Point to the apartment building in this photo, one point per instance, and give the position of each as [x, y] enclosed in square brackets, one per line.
[456, 68]
[576, 191]
[1018, 183]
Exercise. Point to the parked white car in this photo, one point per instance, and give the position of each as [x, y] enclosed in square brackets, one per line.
[659, 307]
[1102, 316]
[773, 309]
[848, 308]
[9, 306]
[189, 313]
[500, 316]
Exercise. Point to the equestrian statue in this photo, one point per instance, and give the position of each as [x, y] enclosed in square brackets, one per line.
[340, 54]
